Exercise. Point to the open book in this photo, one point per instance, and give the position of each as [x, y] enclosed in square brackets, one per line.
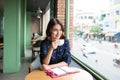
[60, 71]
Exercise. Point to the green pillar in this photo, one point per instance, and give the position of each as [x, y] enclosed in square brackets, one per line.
[28, 29]
[23, 25]
[67, 18]
[11, 62]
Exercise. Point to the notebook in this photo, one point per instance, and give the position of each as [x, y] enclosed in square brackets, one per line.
[61, 71]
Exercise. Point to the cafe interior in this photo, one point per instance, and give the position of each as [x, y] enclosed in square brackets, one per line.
[19, 21]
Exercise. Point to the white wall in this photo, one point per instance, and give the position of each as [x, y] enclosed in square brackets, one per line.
[46, 18]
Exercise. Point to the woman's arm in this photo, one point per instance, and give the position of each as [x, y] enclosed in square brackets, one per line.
[66, 59]
[47, 58]
[47, 67]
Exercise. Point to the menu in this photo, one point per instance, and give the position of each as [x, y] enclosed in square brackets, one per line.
[61, 71]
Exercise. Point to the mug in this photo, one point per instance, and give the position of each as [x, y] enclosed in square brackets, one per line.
[60, 42]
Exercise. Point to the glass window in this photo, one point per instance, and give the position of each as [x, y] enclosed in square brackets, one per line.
[98, 43]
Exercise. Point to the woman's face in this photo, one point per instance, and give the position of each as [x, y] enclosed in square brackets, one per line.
[56, 32]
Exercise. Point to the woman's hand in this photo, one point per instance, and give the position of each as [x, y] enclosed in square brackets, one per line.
[45, 67]
[54, 44]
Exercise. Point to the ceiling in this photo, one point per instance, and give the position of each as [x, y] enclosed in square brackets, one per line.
[32, 5]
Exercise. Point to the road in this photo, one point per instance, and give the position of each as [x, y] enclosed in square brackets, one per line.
[102, 58]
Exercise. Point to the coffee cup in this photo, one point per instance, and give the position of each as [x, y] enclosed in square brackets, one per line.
[60, 42]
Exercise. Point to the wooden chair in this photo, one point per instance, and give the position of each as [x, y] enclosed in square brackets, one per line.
[35, 49]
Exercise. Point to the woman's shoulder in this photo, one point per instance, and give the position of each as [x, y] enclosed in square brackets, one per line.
[66, 44]
[66, 41]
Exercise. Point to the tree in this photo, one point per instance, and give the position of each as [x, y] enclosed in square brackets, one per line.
[95, 29]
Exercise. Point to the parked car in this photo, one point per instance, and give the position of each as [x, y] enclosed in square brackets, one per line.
[117, 37]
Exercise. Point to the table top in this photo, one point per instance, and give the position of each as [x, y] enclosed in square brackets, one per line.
[41, 75]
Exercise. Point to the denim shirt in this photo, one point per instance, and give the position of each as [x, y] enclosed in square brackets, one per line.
[61, 53]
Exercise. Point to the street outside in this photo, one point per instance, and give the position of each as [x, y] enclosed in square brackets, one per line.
[99, 56]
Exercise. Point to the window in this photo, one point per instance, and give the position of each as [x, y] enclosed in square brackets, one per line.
[98, 45]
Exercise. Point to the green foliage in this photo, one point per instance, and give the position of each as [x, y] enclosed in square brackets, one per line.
[103, 16]
[78, 31]
[95, 29]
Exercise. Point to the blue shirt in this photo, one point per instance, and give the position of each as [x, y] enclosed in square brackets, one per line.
[61, 53]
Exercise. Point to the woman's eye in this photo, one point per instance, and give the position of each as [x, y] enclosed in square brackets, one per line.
[61, 30]
[56, 30]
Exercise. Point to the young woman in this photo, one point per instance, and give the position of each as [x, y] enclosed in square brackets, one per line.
[52, 52]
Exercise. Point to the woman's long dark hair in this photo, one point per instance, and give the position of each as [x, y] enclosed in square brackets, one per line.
[50, 25]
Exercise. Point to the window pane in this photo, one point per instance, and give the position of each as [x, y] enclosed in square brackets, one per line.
[98, 37]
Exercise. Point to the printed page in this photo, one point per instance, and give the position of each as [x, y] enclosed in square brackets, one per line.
[68, 69]
[58, 71]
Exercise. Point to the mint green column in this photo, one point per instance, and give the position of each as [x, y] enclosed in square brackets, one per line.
[22, 28]
[25, 24]
[67, 18]
[11, 62]
[28, 29]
